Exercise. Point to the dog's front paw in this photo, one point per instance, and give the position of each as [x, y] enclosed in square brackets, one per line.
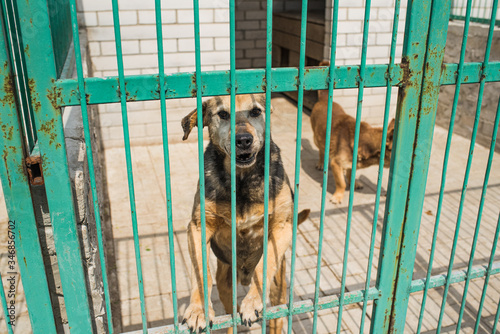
[319, 165]
[250, 309]
[194, 318]
[337, 198]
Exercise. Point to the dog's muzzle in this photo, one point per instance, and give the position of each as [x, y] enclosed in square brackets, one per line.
[244, 156]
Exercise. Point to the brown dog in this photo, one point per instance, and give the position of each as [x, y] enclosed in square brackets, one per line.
[342, 142]
[250, 128]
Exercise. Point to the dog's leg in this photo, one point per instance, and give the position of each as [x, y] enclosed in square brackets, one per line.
[194, 316]
[357, 184]
[277, 295]
[279, 240]
[338, 175]
[224, 286]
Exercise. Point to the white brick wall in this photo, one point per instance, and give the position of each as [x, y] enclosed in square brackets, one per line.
[138, 31]
[349, 41]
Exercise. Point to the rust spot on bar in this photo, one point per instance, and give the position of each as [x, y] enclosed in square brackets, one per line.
[4, 156]
[129, 97]
[7, 131]
[264, 84]
[54, 94]
[34, 167]
[48, 128]
[407, 74]
[37, 106]
[27, 50]
[9, 92]
[193, 82]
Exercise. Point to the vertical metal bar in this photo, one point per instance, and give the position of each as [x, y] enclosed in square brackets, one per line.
[497, 316]
[90, 160]
[395, 24]
[300, 105]
[479, 215]
[469, 160]
[438, 30]
[5, 309]
[19, 204]
[166, 160]
[267, 148]
[232, 75]
[414, 47]
[445, 162]
[361, 86]
[488, 271]
[201, 160]
[128, 158]
[14, 45]
[42, 74]
[331, 84]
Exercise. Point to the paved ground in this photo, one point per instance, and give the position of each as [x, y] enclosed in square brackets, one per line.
[150, 199]
[150, 195]
[21, 311]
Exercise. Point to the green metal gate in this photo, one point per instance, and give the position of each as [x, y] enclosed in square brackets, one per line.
[35, 43]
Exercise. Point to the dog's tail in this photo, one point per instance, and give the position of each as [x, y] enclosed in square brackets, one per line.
[323, 94]
[303, 216]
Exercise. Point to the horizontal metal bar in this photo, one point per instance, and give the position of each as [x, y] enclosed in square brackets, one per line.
[471, 73]
[279, 311]
[473, 19]
[182, 85]
[455, 277]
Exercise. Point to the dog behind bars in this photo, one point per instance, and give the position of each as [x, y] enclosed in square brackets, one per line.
[249, 134]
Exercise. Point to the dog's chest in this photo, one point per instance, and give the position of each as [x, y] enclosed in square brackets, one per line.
[248, 250]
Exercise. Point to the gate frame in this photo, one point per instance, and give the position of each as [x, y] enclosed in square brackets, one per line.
[19, 203]
[425, 34]
[41, 71]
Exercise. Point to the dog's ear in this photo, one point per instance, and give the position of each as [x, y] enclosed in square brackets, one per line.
[191, 120]
[303, 216]
[390, 134]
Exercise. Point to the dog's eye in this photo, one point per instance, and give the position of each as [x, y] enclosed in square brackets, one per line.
[255, 112]
[223, 114]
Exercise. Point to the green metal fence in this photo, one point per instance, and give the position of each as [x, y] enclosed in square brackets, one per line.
[480, 11]
[38, 59]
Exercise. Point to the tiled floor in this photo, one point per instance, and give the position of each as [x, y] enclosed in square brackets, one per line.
[149, 180]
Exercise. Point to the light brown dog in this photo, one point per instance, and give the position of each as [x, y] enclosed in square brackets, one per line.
[342, 142]
[250, 128]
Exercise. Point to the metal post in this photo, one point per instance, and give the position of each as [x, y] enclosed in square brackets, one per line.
[42, 73]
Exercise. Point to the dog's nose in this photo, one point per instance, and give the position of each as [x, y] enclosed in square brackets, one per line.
[243, 141]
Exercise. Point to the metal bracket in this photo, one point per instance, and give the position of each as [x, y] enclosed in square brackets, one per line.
[34, 168]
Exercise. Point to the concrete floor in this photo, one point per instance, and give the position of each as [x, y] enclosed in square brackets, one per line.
[149, 180]
[21, 310]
